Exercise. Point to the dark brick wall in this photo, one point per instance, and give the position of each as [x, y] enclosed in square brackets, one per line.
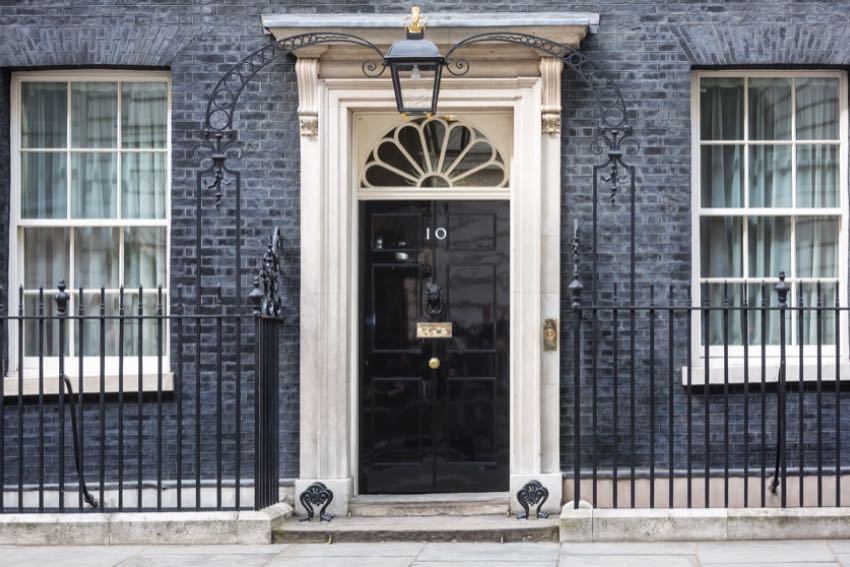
[650, 47]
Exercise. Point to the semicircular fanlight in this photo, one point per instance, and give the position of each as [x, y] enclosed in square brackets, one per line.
[434, 153]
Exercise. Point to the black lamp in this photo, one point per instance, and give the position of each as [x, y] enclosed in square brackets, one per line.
[416, 66]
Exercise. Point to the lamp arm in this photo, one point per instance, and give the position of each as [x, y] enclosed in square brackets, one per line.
[224, 97]
[612, 105]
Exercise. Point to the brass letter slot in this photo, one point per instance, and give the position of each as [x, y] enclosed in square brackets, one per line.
[430, 330]
[550, 334]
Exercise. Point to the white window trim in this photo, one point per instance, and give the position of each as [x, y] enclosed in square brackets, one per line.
[735, 367]
[91, 364]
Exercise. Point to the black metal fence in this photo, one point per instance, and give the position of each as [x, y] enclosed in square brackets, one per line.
[114, 402]
[733, 403]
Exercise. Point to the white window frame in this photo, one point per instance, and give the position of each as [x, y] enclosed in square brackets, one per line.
[736, 352]
[91, 364]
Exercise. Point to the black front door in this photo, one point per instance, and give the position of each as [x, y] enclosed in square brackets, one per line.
[434, 410]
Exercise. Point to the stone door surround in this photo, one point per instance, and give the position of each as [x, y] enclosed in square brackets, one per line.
[332, 90]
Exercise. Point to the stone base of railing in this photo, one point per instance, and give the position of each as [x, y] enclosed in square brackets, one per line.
[703, 524]
[145, 528]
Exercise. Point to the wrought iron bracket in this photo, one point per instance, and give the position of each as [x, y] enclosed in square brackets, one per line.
[613, 136]
[317, 495]
[532, 493]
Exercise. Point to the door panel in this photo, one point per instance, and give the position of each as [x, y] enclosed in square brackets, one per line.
[443, 429]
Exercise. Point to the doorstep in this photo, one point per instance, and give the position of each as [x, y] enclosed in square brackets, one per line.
[451, 504]
[143, 528]
[485, 528]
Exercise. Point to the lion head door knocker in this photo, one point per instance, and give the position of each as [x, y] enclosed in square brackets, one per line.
[434, 299]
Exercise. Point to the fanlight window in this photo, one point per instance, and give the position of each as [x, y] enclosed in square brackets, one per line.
[435, 153]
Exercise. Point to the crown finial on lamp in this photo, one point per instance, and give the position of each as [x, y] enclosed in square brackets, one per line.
[415, 22]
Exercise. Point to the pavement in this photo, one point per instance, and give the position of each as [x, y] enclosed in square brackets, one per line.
[679, 554]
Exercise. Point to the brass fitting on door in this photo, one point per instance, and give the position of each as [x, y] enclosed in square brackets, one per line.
[434, 363]
[550, 334]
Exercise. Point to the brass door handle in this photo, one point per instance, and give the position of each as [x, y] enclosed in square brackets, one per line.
[434, 363]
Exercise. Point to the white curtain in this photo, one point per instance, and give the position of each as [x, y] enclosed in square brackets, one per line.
[94, 176]
[769, 185]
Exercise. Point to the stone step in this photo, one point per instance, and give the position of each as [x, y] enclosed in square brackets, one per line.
[470, 504]
[488, 528]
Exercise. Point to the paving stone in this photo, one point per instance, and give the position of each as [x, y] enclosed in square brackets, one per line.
[660, 548]
[840, 546]
[768, 564]
[67, 556]
[353, 550]
[267, 549]
[776, 552]
[459, 552]
[341, 562]
[195, 560]
[481, 564]
[629, 561]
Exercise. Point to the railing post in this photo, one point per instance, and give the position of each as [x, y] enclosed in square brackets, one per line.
[61, 299]
[576, 287]
[779, 479]
[267, 307]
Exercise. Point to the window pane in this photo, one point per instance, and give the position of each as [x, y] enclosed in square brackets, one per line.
[143, 185]
[769, 243]
[770, 176]
[767, 320]
[149, 330]
[44, 115]
[94, 115]
[817, 109]
[721, 109]
[143, 115]
[144, 257]
[817, 175]
[817, 247]
[722, 176]
[94, 185]
[91, 328]
[41, 338]
[43, 189]
[812, 293]
[770, 109]
[96, 257]
[724, 326]
[45, 257]
[721, 248]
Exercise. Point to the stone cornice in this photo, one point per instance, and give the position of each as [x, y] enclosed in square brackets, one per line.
[443, 29]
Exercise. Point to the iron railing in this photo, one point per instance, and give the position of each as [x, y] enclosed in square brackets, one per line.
[657, 416]
[198, 431]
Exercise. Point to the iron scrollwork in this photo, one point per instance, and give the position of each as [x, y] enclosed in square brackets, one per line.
[614, 133]
[317, 495]
[265, 296]
[532, 493]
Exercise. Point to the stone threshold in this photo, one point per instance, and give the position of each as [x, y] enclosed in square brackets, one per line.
[143, 528]
[706, 524]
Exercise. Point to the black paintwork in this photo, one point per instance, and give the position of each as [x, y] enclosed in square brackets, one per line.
[443, 430]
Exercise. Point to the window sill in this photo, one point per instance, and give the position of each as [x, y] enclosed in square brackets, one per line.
[91, 384]
[716, 372]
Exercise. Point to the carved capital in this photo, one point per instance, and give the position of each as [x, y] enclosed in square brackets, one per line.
[307, 73]
[550, 73]
[309, 124]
